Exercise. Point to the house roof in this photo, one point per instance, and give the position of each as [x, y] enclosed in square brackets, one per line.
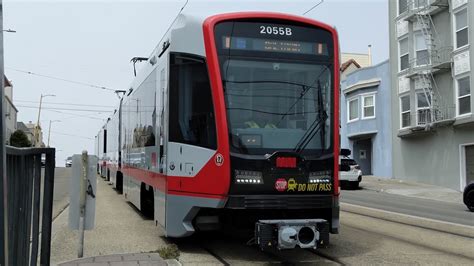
[349, 62]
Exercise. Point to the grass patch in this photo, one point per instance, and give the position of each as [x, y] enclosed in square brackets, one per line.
[169, 252]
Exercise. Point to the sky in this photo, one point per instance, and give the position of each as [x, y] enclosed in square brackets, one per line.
[92, 42]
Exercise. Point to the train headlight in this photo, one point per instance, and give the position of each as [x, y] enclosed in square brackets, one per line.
[320, 177]
[248, 177]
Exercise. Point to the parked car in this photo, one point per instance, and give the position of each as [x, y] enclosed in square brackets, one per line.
[351, 176]
[468, 196]
[68, 161]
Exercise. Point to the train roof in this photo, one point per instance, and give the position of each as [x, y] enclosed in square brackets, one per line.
[185, 34]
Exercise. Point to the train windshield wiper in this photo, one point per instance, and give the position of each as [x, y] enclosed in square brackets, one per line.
[305, 89]
[317, 125]
[304, 86]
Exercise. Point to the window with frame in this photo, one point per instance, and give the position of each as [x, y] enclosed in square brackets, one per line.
[353, 109]
[421, 49]
[402, 6]
[403, 53]
[368, 106]
[405, 111]
[191, 114]
[462, 32]
[464, 96]
[419, 3]
[423, 111]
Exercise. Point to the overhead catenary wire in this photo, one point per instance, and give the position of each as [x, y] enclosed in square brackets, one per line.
[75, 115]
[61, 79]
[71, 135]
[67, 109]
[313, 7]
[63, 103]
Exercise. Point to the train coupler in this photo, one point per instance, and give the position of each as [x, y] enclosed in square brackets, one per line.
[287, 234]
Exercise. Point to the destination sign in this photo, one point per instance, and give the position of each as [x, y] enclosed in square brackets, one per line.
[274, 45]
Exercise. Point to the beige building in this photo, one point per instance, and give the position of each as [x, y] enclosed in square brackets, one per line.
[21, 126]
[10, 111]
[31, 128]
[364, 60]
[350, 62]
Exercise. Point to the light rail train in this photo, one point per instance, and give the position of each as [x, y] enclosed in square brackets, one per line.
[233, 122]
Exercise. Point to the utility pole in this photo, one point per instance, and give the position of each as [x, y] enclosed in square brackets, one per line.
[82, 203]
[3, 178]
[36, 135]
[49, 131]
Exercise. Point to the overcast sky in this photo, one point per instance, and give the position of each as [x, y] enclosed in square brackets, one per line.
[93, 42]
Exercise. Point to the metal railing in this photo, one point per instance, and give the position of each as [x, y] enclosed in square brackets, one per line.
[433, 115]
[434, 59]
[29, 205]
[425, 6]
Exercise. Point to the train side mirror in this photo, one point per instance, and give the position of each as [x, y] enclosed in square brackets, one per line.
[345, 152]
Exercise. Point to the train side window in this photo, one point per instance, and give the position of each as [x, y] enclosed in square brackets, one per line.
[191, 111]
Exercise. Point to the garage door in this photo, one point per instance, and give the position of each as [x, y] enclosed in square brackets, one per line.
[469, 164]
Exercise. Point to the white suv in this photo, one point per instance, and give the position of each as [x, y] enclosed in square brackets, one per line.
[352, 177]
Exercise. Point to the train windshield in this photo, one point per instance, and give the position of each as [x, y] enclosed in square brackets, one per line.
[278, 90]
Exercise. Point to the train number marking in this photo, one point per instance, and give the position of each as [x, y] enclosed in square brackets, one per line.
[219, 159]
[276, 30]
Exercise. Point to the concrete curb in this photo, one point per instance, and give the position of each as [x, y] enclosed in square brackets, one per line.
[173, 262]
[121, 259]
[446, 227]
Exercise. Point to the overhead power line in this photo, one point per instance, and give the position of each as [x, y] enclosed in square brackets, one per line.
[75, 115]
[71, 135]
[66, 109]
[313, 7]
[61, 79]
[62, 103]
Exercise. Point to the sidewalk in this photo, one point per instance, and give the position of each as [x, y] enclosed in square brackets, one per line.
[411, 189]
[122, 260]
[119, 229]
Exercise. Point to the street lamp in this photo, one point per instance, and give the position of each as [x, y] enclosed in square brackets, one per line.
[10, 30]
[49, 131]
[37, 137]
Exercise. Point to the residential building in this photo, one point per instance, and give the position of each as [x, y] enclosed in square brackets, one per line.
[29, 134]
[364, 60]
[365, 118]
[10, 110]
[353, 61]
[348, 67]
[31, 128]
[432, 104]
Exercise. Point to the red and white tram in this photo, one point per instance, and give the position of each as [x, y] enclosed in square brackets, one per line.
[233, 121]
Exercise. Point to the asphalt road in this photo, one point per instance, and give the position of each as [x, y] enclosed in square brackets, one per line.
[432, 209]
[362, 240]
[62, 177]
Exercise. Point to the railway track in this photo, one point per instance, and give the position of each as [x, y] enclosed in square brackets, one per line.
[229, 250]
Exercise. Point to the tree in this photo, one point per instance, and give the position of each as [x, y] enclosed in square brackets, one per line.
[19, 139]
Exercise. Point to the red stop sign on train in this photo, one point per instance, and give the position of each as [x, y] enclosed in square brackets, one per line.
[281, 184]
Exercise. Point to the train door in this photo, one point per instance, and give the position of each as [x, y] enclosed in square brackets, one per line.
[192, 130]
[161, 103]
[127, 129]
